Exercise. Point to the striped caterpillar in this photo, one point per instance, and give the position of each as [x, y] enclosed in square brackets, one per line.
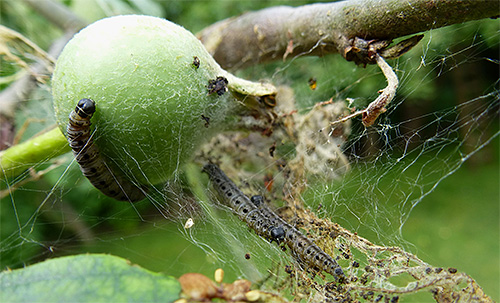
[267, 224]
[91, 163]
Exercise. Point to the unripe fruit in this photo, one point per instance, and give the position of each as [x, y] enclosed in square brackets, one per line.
[149, 79]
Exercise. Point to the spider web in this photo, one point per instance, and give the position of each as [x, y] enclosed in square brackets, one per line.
[424, 178]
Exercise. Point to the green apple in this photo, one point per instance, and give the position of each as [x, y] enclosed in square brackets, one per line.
[150, 80]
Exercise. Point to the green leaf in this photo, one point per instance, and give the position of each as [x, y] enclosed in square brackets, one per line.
[86, 278]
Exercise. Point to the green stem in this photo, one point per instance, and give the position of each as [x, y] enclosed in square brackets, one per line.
[18, 158]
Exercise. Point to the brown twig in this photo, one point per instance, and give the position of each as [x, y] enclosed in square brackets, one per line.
[378, 106]
[272, 33]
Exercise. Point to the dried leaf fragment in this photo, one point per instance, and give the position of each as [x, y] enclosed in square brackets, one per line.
[197, 286]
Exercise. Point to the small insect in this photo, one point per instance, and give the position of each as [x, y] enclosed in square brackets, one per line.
[207, 120]
[312, 83]
[219, 86]
[272, 149]
[269, 225]
[247, 256]
[196, 62]
[91, 162]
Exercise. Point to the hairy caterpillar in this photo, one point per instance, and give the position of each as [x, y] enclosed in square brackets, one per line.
[269, 225]
[91, 163]
[240, 203]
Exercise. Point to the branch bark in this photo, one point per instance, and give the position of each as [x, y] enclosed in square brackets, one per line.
[58, 14]
[319, 29]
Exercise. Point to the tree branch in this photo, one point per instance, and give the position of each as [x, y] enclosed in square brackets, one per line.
[319, 29]
[58, 14]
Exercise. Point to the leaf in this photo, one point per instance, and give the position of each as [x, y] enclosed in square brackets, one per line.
[86, 278]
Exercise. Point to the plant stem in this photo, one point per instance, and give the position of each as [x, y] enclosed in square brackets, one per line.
[36, 150]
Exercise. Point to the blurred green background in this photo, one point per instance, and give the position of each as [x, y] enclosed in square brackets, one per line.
[410, 184]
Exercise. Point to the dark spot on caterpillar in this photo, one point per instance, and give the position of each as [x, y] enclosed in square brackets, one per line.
[339, 271]
[196, 62]
[278, 234]
[257, 200]
[207, 120]
[91, 162]
[219, 86]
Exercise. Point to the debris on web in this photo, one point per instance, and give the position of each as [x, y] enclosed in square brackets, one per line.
[373, 272]
[380, 273]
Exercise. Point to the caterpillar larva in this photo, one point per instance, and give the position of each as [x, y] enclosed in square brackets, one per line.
[269, 225]
[91, 163]
[300, 244]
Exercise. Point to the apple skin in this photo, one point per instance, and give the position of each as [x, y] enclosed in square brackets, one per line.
[150, 95]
